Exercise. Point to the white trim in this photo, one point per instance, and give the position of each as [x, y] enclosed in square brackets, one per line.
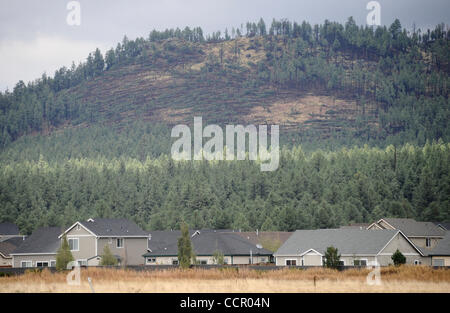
[76, 236]
[70, 228]
[386, 223]
[361, 259]
[374, 224]
[27, 262]
[78, 244]
[408, 254]
[123, 243]
[285, 262]
[45, 253]
[307, 251]
[48, 263]
[412, 244]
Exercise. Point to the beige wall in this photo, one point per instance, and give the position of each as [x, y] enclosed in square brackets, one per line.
[445, 258]
[86, 243]
[90, 246]
[132, 251]
[5, 262]
[235, 260]
[421, 242]
[34, 258]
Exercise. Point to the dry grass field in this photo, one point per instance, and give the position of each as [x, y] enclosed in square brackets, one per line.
[403, 279]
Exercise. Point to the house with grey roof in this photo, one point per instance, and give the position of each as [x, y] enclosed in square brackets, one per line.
[163, 248]
[39, 249]
[440, 255]
[125, 239]
[8, 230]
[356, 246]
[425, 235]
[7, 246]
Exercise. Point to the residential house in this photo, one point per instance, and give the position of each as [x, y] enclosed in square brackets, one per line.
[8, 230]
[7, 246]
[126, 240]
[440, 255]
[424, 235]
[163, 248]
[356, 247]
[270, 240]
[39, 249]
[443, 225]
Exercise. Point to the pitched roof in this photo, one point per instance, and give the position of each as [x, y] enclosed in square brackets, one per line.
[272, 238]
[42, 240]
[8, 229]
[442, 247]
[113, 227]
[9, 245]
[347, 241]
[205, 242]
[356, 226]
[445, 225]
[411, 227]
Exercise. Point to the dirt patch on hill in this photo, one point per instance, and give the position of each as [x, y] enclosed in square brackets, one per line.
[300, 110]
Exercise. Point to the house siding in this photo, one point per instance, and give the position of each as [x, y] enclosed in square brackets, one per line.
[34, 258]
[131, 252]
[86, 243]
[421, 242]
[5, 262]
[445, 259]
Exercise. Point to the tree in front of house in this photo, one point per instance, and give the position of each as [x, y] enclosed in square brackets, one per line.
[63, 256]
[398, 258]
[332, 257]
[108, 258]
[218, 257]
[185, 251]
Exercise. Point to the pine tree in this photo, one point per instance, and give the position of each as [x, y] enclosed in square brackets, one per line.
[332, 257]
[63, 256]
[185, 251]
[108, 258]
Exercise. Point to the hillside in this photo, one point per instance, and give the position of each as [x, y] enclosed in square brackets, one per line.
[364, 117]
[340, 83]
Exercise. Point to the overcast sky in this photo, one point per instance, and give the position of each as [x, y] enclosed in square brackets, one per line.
[35, 37]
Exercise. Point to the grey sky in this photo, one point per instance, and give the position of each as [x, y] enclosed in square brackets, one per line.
[34, 35]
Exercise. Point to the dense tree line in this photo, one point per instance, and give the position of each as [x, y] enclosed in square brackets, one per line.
[322, 189]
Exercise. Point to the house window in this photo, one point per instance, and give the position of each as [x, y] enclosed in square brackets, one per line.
[362, 262]
[341, 263]
[151, 260]
[42, 264]
[174, 262]
[74, 244]
[417, 262]
[225, 261]
[263, 260]
[428, 242]
[119, 242]
[203, 262]
[26, 264]
[52, 263]
[78, 227]
[291, 262]
[82, 262]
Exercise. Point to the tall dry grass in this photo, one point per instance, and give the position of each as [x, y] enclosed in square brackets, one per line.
[394, 279]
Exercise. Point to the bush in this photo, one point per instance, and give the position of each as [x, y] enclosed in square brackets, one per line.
[332, 257]
[398, 258]
[64, 256]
